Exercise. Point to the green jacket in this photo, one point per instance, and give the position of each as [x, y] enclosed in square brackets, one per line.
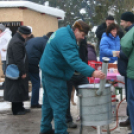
[127, 46]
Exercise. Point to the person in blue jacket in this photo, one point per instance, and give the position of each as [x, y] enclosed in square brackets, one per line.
[110, 43]
[34, 48]
[58, 63]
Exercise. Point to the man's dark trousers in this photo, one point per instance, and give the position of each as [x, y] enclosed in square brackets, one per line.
[75, 81]
[35, 79]
[130, 101]
[126, 96]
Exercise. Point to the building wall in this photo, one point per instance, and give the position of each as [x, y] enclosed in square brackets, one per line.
[11, 14]
[40, 23]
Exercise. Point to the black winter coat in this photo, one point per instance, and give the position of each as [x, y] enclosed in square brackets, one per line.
[122, 64]
[17, 90]
[91, 52]
[35, 48]
[83, 51]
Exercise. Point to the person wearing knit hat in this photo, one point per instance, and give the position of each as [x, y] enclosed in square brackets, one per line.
[127, 19]
[5, 37]
[2, 28]
[126, 64]
[128, 16]
[16, 54]
[24, 30]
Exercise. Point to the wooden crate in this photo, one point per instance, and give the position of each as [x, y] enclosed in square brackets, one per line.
[111, 65]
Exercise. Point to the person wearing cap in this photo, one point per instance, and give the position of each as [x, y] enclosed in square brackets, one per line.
[58, 63]
[102, 29]
[5, 37]
[34, 48]
[126, 65]
[16, 91]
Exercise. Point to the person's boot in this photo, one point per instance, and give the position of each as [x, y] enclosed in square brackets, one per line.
[50, 132]
[125, 123]
[36, 106]
[2, 86]
[71, 125]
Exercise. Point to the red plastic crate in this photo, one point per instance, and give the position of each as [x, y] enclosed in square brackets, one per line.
[97, 65]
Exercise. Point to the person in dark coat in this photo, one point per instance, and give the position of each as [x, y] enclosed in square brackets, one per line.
[91, 52]
[76, 80]
[102, 28]
[16, 91]
[35, 48]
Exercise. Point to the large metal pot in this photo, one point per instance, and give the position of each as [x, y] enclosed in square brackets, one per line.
[95, 110]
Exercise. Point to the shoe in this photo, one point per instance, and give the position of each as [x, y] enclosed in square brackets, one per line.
[20, 113]
[27, 110]
[36, 106]
[125, 123]
[50, 132]
[2, 86]
[71, 125]
[129, 127]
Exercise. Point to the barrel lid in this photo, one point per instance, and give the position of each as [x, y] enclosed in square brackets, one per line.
[106, 59]
[87, 86]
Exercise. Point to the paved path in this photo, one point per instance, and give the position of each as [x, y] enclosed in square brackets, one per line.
[30, 123]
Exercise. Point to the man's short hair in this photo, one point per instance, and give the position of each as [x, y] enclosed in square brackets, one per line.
[82, 26]
[110, 17]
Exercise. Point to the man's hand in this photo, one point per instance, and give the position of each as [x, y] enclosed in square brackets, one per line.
[98, 74]
[23, 76]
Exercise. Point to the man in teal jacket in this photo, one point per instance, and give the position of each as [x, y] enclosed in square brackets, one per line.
[58, 63]
[127, 46]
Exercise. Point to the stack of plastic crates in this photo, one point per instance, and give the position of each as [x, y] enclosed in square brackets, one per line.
[97, 65]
